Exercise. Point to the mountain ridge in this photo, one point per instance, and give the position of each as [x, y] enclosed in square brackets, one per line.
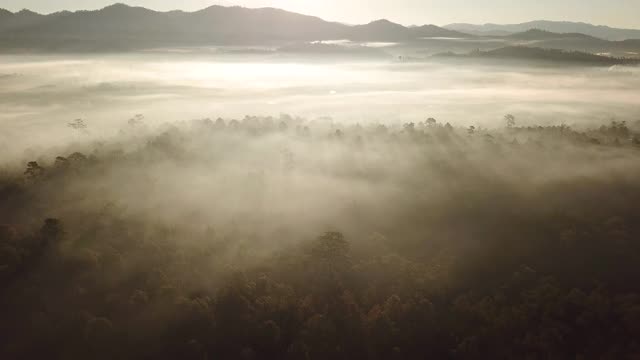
[598, 31]
[120, 26]
[537, 34]
[536, 54]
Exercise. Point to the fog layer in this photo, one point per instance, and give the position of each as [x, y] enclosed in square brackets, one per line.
[39, 95]
[404, 211]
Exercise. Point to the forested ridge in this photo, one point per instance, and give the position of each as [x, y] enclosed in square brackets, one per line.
[282, 238]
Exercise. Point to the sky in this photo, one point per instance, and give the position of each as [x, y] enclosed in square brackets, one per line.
[615, 13]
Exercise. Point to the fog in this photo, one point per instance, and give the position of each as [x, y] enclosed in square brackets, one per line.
[40, 94]
[195, 206]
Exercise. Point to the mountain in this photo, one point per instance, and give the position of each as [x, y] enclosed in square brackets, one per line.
[122, 27]
[537, 34]
[5, 13]
[573, 42]
[432, 31]
[524, 53]
[598, 31]
[380, 30]
[20, 19]
[125, 25]
[385, 30]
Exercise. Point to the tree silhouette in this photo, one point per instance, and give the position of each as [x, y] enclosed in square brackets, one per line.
[510, 120]
[33, 171]
[79, 125]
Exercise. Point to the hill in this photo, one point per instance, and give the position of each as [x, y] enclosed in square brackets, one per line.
[381, 30]
[540, 54]
[385, 30]
[222, 245]
[426, 31]
[599, 31]
[122, 27]
[537, 34]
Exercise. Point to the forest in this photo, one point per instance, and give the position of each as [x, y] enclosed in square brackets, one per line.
[287, 238]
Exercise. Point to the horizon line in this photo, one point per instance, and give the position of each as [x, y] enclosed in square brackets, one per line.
[299, 13]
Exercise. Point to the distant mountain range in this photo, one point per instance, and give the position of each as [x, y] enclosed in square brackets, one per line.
[534, 54]
[385, 30]
[574, 42]
[598, 31]
[122, 27]
[537, 34]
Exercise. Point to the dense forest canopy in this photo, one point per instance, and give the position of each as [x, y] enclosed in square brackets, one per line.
[286, 238]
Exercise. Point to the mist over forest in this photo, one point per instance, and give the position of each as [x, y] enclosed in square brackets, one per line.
[375, 191]
[107, 90]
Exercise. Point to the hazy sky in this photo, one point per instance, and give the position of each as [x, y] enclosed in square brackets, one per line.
[619, 13]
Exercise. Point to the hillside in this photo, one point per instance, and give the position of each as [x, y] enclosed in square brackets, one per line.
[122, 27]
[525, 53]
[385, 30]
[537, 34]
[413, 241]
[599, 31]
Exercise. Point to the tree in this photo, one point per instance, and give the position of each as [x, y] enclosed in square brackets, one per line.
[137, 120]
[220, 124]
[33, 170]
[51, 231]
[78, 125]
[510, 120]
[61, 162]
[331, 247]
[409, 127]
[77, 158]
